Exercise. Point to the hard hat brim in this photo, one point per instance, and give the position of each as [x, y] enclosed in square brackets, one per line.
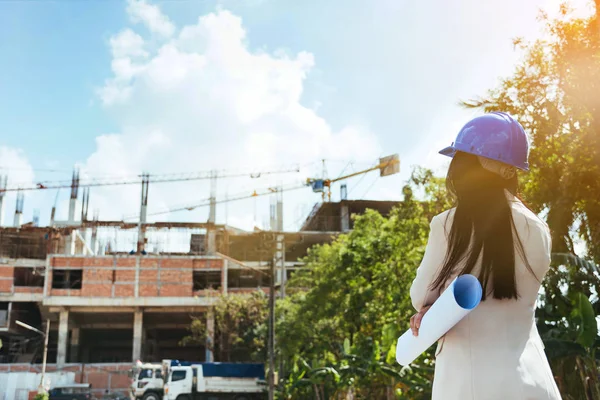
[449, 151]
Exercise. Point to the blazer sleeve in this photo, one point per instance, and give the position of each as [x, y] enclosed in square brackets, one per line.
[433, 259]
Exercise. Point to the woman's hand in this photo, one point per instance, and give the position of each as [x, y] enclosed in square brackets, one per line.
[415, 320]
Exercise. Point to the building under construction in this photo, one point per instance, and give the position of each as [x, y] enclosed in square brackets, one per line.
[107, 308]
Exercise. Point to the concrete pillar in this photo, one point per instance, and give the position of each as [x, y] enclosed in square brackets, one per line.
[212, 240]
[94, 243]
[143, 213]
[211, 234]
[70, 243]
[212, 213]
[63, 337]
[210, 335]
[280, 211]
[74, 193]
[74, 350]
[138, 317]
[18, 219]
[19, 210]
[345, 217]
[72, 206]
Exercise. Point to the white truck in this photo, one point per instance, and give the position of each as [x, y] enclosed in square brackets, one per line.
[148, 382]
[215, 381]
[197, 380]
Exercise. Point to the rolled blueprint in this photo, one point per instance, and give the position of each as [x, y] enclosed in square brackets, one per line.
[458, 300]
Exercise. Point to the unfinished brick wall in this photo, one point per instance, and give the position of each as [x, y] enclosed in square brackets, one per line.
[116, 276]
[6, 279]
[113, 377]
[63, 263]
[21, 279]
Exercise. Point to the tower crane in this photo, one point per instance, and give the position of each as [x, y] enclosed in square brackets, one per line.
[387, 166]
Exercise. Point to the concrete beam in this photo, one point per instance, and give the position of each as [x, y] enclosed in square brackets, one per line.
[261, 265]
[172, 310]
[148, 257]
[130, 310]
[79, 301]
[22, 297]
[63, 336]
[78, 310]
[133, 225]
[125, 325]
[22, 262]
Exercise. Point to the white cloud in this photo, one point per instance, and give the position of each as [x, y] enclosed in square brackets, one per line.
[151, 16]
[204, 100]
[127, 44]
[16, 167]
[14, 162]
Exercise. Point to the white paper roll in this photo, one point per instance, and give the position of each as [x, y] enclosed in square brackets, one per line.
[459, 299]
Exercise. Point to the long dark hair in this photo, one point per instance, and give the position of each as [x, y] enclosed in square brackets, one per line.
[482, 222]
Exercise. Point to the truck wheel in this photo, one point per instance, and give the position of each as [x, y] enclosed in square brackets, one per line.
[183, 397]
[151, 396]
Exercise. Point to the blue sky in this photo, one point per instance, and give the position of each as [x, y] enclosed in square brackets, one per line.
[376, 77]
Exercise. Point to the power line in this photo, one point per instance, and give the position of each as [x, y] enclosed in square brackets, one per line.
[370, 187]
[206, 202]
[45, 185]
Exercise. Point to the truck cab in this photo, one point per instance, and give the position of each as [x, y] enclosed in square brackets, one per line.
[148, 382]
[215, 381]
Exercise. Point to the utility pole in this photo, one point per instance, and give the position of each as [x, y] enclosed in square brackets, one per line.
[42, 389]
[265, 247]
[271, 342]
[277, 271]
[280, 260]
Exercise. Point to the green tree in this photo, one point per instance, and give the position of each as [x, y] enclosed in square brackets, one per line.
[240, 328]
[356, 291]
[555, 94]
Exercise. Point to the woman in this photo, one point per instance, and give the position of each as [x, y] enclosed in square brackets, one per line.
[495, 352]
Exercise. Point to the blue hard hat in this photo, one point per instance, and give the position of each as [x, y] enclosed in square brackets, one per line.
[496, 136]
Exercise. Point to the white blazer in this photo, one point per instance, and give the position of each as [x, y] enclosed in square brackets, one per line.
[495, 353]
